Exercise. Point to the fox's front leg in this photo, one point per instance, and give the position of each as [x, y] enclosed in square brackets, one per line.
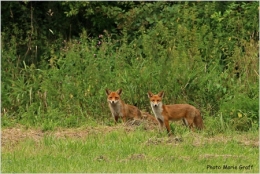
[161, 124]
[116, 119]
[167, 125]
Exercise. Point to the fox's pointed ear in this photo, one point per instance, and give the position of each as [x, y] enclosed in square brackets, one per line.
[150, 94]
[161, 94]
[108, 91]
[119, 91]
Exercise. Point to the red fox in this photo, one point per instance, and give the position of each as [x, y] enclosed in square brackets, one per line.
[121, 110]
[164, 113]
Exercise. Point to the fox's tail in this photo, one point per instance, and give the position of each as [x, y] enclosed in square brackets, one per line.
[147, 116]
[198, 120]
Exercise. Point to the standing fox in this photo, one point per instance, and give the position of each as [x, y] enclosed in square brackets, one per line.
[164, 113]
[119, 109]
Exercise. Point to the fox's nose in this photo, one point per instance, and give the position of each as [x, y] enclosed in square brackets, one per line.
[113, 101]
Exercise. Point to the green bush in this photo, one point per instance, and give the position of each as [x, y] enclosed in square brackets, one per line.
[208, 58]
[242, 111]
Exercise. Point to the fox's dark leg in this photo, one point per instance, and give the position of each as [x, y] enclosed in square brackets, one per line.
[116, 119]
[167, 125]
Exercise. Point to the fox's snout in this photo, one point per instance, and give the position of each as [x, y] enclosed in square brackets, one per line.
[113, 101]
[155, 104]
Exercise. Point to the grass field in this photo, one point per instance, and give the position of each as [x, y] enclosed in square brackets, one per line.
[127, 149]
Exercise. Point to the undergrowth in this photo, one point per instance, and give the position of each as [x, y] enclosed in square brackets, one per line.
[202, 57]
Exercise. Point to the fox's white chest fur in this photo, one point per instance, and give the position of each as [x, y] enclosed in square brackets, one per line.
[116, 109]
[157, 110]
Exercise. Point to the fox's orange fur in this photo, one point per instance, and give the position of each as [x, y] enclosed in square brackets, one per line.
[121, 110]
[165, 113]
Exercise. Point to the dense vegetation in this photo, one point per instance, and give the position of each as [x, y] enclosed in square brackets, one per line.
[58, 58]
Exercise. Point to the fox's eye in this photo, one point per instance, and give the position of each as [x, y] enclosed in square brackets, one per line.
[110, 98]
[116, 98]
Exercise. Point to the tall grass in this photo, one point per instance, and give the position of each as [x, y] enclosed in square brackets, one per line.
[187, 64]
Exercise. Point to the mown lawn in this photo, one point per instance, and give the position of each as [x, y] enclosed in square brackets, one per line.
[127, 149]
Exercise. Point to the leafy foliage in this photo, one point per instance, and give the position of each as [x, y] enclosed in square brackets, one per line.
[58, 57]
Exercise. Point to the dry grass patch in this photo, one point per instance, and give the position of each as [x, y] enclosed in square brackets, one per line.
[12, 136]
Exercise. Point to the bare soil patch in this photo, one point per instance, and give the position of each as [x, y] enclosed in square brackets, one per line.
[243, 139]
[12, 136]
[15, 135]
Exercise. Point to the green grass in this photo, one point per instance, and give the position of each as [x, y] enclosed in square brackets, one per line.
[128, 149]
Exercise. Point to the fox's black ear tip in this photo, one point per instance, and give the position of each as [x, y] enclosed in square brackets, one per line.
[150, 94]
[119, 91]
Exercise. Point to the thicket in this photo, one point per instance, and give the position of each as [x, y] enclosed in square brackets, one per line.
[58, 58]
